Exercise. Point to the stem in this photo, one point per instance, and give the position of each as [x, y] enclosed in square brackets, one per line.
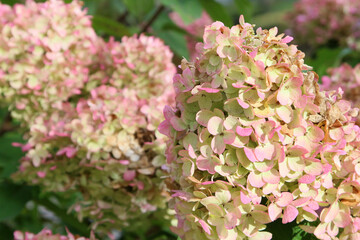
[122, 17]
[7, 125]
[152, 19]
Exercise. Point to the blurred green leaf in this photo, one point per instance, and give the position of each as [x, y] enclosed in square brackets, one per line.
[9, 155]
[110, 27]
[12, 199]
[91, 6]
[68, 218]
[10, 2]
[217, 11]
[5, 231]
[176, 41]
[246, 8]
[271, 19]
[173, 38]
[139, 8]
[299, 234]
[324, 59]
[3, 113]
[189, 10]
[279, 230]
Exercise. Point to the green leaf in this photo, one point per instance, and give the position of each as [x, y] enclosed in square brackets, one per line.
[174, 39]
[68, 218]
[245, 8]
[270, 19]
[3, 113]
[324, 59]
[139, 8]
[299, 234]
[279, 230]
[10, 2]
[5, 231]
[189, 10]
[9, 155]
[217, 11]
[12, 199]
[109, 26]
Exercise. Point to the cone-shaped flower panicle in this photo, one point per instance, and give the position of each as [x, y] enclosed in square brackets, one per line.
[107, 145]
[253, 140]
[93, 113]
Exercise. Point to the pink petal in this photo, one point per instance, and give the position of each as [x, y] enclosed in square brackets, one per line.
[242, 103]
[285, 199]
[255, 180]
[205, 226]
[230, 221]
[210, 90]
[249, 152]
[290, 214]
[205, 164]
[286, 39]
[307, 179]
[285, 113]
[245, 199]
[129, 175]
[168, 112]
[215, 125]
[41, 174]
[274, 211]
[165, 128]
[229, 136]
[301, 201]
[265, 152]
[177, 124]
[271, 176]
[217, 144]
[191, 151]
[243, 131]
[203, 116]
[332, 212]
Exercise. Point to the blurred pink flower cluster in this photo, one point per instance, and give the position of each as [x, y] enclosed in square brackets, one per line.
[90, 109]
[194, 29]
[321, 21]
[348, 79]
[46, 234]
[253, 140]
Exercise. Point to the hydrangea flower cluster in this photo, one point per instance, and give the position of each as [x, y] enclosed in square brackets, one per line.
[92, 115]
[253, 140]
[195, 29]
[318, 22]
[46, 234]
[348, 79]
[107, 146]
[45, 54]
